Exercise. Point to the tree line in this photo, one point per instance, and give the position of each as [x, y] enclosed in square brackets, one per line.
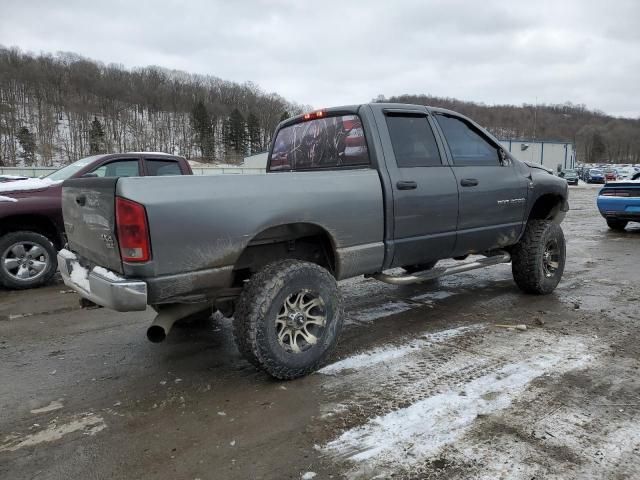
[57, 108]
[599, 138]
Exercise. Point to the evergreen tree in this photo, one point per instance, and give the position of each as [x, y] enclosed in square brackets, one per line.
[253, 130]
[28, 144]
[226, 137]
[202, 128]
[237, 134]
[285, 115]
[96, 138]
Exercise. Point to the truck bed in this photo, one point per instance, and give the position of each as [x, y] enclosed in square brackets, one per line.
[193, 240]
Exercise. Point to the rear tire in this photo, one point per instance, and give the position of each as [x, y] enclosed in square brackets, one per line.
[288, 318]
[27, 260]
[617, 225]
[537, 261]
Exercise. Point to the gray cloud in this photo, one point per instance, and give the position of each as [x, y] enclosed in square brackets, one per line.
[333, 52]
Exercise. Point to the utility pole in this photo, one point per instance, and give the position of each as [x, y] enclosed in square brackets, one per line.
[535, 119]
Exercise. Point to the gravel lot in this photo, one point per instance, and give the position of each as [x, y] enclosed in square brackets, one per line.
[423, 385]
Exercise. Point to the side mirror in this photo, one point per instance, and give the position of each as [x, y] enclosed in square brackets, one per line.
[504, 158]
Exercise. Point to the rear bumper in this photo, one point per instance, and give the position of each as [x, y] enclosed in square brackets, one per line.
[103, 287]
[622, 208]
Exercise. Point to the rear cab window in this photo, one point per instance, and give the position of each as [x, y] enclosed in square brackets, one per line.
[118, 168]
[414, 144]
[159, 168]
[319, 144]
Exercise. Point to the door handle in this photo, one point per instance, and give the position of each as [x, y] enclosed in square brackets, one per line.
[406, 185]
[469, 182]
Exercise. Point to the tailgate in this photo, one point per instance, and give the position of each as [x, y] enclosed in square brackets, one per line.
[88, 208]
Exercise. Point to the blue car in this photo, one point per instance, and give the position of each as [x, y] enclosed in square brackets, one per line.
[595, 175]
[619, 203]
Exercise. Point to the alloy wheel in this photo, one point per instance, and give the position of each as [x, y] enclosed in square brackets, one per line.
[301, 321]
[25, 261]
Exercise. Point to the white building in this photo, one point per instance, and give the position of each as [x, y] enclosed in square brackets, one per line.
[554, 155]
[257, 160]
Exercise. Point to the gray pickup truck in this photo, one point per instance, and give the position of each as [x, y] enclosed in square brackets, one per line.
[354, 190]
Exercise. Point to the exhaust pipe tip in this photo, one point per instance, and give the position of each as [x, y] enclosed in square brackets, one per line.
[168, 315]
[156, 333]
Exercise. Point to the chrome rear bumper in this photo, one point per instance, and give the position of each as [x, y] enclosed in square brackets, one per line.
[103, 287]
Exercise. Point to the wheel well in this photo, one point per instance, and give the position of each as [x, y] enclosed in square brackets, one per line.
[32, 223]
[301, 241]
[546, 207]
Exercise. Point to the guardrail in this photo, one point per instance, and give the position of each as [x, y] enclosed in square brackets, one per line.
[227, 170]
[26, 171]
[42, 171]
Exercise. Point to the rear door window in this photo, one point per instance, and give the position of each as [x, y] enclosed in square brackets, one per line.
[414, 144]
[158, 168]
[118, 168]
[322, 143]
[468, 146]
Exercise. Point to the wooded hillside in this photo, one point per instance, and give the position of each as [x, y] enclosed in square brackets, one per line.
[55, 109]
[598, 137]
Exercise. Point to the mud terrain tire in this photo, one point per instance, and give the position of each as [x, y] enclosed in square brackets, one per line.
[259, 328]
[537, 261]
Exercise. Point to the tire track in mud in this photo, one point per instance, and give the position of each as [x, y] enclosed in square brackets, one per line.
[561, 434]
[398, 406]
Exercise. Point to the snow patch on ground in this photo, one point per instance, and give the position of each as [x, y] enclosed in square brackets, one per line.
[414, 434]
[370, 314]
[79, 276]
[54, 405]
[88, 424]
[438, 295]
[388, 353]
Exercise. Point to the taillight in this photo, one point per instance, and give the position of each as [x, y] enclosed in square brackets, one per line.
[133, 231]
[614, 193]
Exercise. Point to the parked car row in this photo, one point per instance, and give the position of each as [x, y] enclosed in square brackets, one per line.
[593, 173]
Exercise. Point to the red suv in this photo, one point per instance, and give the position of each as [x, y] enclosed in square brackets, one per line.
[31, 226]
[610, 175]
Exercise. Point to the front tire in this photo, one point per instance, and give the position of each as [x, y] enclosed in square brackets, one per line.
[537, 261]
[288, 318]
[617, 225]
[27, 260]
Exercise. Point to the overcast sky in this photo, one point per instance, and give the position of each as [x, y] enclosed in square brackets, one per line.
[325, 53]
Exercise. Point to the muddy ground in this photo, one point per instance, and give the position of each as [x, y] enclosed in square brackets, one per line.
[423, 384]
